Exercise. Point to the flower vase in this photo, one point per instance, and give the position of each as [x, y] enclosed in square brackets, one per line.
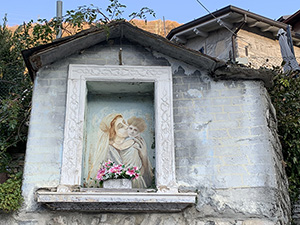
[117, 184]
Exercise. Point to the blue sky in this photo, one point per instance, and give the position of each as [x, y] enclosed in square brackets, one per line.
[180, 11]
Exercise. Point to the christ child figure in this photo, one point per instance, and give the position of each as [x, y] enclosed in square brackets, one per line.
[135, 127]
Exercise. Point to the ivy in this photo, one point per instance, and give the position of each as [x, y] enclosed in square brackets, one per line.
[10, 193]
[285, 95]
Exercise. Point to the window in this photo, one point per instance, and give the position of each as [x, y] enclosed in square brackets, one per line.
[201, 50]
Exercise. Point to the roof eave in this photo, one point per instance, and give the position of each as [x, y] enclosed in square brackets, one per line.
[220, 13]
[293, 18]
[41, 56]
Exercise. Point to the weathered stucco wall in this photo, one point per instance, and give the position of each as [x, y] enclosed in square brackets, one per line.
[225, 146]
[231, 124]
[218, 44]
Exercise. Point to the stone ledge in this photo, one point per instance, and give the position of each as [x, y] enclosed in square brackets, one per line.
[238, 72]
[116, 201]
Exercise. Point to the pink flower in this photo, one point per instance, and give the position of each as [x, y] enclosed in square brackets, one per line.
[108, 163]
[130, 172]
[113, 170]
[136, 176]
[101, 173]
[118, 169]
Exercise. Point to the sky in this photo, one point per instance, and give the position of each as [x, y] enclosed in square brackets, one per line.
[19, 11]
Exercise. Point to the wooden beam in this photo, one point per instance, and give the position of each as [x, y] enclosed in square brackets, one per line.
[265, 29]
[275, 33]
[180, 40]
[253, 24]
[240, 19]
[200, 33]
[225, 24]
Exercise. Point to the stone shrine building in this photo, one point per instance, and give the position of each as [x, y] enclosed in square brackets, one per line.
[208, 151]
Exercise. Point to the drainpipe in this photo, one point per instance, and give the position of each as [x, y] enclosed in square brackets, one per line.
[289, 38]
[59, 17]
[233, 38]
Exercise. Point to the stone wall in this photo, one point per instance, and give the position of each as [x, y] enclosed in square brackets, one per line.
[154, 26]
[255, 47]
[157, 26]
[189, 217]
[225, 146]
[296, 212]
[262, 50]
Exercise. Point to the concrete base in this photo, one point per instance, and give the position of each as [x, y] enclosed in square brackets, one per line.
[117, 201]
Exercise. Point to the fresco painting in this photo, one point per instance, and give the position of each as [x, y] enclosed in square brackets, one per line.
[120, 128]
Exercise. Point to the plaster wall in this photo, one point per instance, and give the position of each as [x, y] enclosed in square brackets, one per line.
[217, 44]
[226, 146]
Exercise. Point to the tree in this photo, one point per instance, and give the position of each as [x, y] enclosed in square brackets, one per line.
[9, 63]
[14, 91]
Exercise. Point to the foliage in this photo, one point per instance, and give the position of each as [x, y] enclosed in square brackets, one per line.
[10, 193]
[285, 95]
[16, 92]
[15, 97]
[5, 160]
[11, 67]
[14, 113]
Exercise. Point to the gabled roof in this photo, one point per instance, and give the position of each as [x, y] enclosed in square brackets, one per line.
[38, 57]
[229, 15]
[293, 19]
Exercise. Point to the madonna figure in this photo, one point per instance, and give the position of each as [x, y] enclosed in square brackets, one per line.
[115, 144]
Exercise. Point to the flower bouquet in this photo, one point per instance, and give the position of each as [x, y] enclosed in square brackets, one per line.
[111, 170]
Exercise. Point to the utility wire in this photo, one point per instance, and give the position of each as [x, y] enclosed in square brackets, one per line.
[206, 9]
[219, 21]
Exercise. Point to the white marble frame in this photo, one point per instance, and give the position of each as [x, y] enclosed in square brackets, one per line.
[74, 123]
